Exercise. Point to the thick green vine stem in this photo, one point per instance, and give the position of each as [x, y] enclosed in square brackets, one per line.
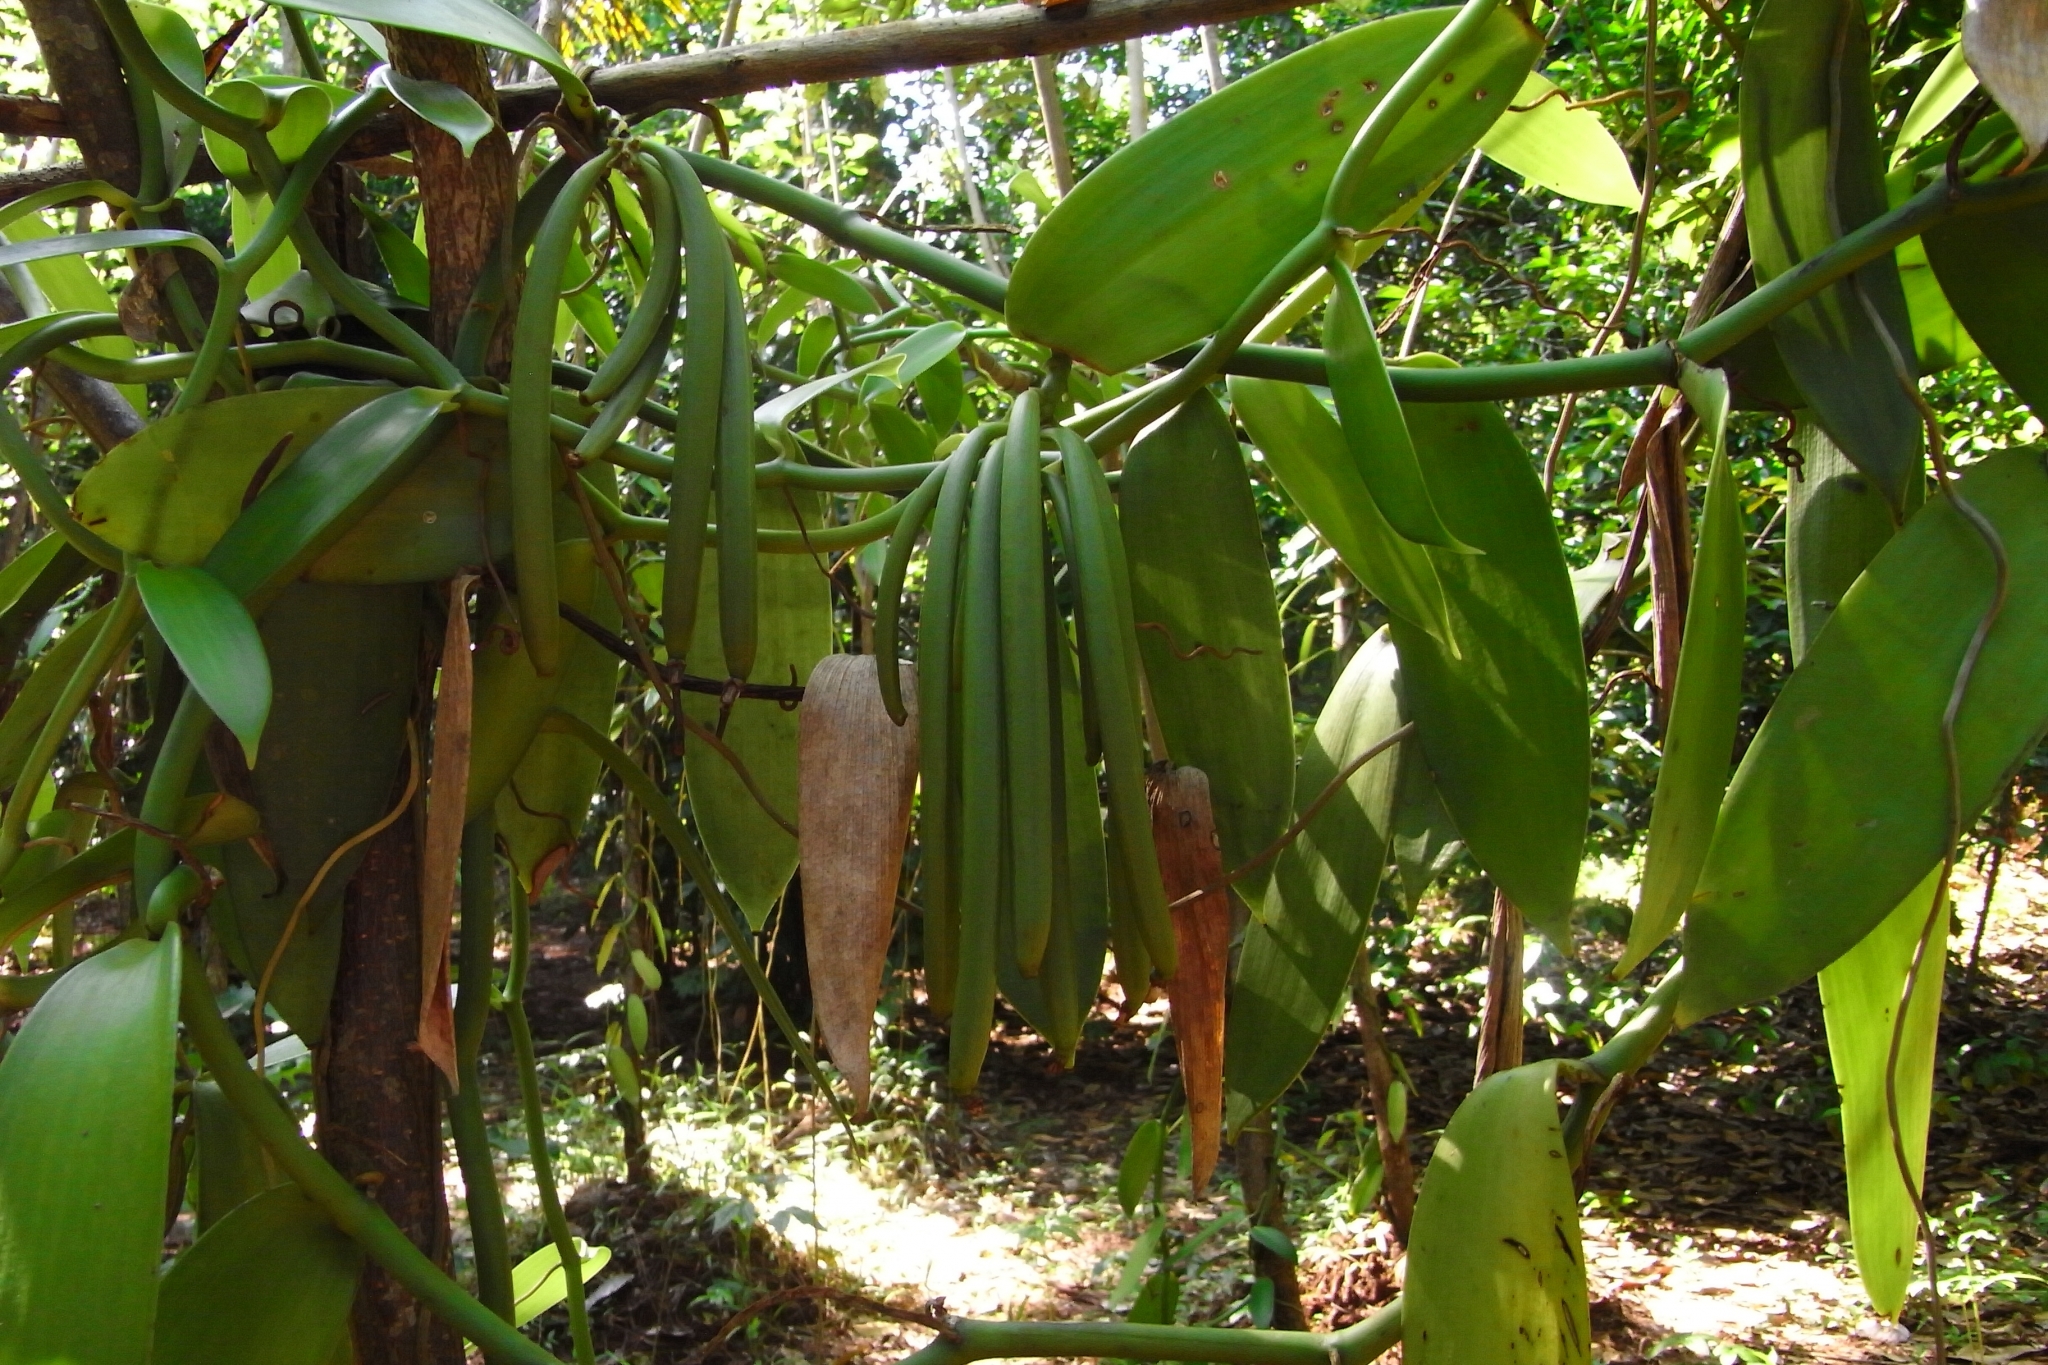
[288, 206]
[184, 744]
[846, 227]
[537, 1127]
[969, 1339]
[1631, 1046]
[481, 1196]
[358, 1219]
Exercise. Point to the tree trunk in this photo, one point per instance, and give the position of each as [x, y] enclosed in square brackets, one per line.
[379, 1095]
[465, 199]
[380, 1122]
[85, 75]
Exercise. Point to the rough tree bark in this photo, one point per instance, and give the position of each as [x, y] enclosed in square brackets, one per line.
[380, 1097]
[379, 1107]
[85, 75]
[465, 198]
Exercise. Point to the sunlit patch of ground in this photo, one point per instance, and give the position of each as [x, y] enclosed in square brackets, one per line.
[1713, 1232]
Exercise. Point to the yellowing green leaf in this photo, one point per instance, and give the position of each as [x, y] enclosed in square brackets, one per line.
[1860, 993]
[1496, 1272]
[1549, 143]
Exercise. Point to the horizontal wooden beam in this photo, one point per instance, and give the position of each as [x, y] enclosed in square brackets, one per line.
[637, 89]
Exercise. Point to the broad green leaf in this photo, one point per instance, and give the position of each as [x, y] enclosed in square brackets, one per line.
[448, 107]
[775, 414]
[84, 243]
[474, 21]
[1295, 967]
[171, 491]
[1159, 245]
[1825, 830]
[232, 1167]
[85, 1148]
[1993, 270]
[345, 471]
[1947, 86]
[1425, 843]
[1836, 521]
[216, 644]
[1549, 143]
[23, 571]
[752, 854]
[1699, 740]
[538, 1283]
[925, 348]
[452, 510]
[543, 804]
[270, 1284]
[1371, 417]
[1940, 341]
[1143, 1155]
[403, 259]
[943, 390]
[1304, 446]
[32, 705]
[509, 699]
[1208, 627]
[1502, 720]
[333, 759]
[1496, 1273]
[1812, 171]
[1277, 1242]
[822, 281]
[1860, 993]
[247, 212]
[904, 439]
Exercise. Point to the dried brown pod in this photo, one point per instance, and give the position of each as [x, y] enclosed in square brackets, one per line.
[856, 769]
[1190, 858]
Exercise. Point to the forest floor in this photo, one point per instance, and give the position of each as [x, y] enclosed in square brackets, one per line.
[1713, 1212]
